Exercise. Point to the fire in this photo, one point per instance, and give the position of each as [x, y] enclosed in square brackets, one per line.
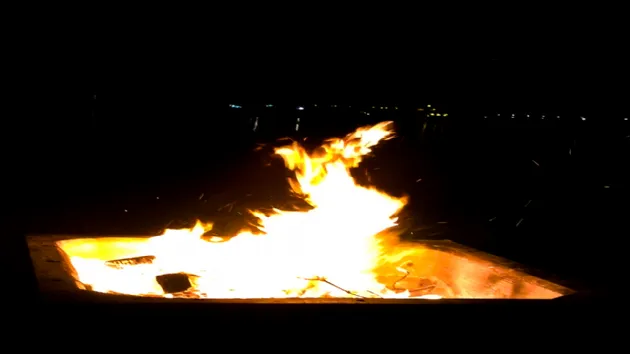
[333, 249]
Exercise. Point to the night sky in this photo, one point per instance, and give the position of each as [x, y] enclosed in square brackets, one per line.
[139, 147]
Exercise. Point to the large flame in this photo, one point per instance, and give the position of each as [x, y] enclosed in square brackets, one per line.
[331, 250]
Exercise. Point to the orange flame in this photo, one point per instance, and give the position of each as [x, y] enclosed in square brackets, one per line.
[330, 250]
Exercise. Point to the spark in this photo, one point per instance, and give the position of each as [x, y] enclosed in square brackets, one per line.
[537, 164]
[229, 206]
[519, 222]
[419, 180]
[527, 203]
[201, 196]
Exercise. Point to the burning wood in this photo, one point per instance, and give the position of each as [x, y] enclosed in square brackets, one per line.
[120, 263]
[331, 249]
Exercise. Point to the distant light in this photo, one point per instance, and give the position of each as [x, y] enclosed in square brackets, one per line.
[298, 120]
[432, 114]
[485, 117]
[558, 117]
[429, 105]
[625, 118]
[583, 118]
[445, 114]
[297, 127]
[256, 124]
[439, 115]
[543, 117]
[269, 105]
[300, 108]
[498, 114]
[235, 106]
[528, 116]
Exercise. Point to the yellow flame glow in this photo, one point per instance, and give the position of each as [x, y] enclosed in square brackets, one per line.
[331, 250]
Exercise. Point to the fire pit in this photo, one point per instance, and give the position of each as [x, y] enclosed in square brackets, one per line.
[436, 270]
[343, 247]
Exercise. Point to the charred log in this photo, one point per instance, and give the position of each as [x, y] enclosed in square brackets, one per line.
[174, 283]
[119, 263]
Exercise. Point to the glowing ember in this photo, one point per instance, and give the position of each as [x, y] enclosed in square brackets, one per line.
[332, 250]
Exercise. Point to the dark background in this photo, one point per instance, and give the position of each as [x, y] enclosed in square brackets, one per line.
[144, 146]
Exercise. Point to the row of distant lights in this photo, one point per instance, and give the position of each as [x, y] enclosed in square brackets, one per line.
[301, 108]
[528, 116]
[541, 117]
